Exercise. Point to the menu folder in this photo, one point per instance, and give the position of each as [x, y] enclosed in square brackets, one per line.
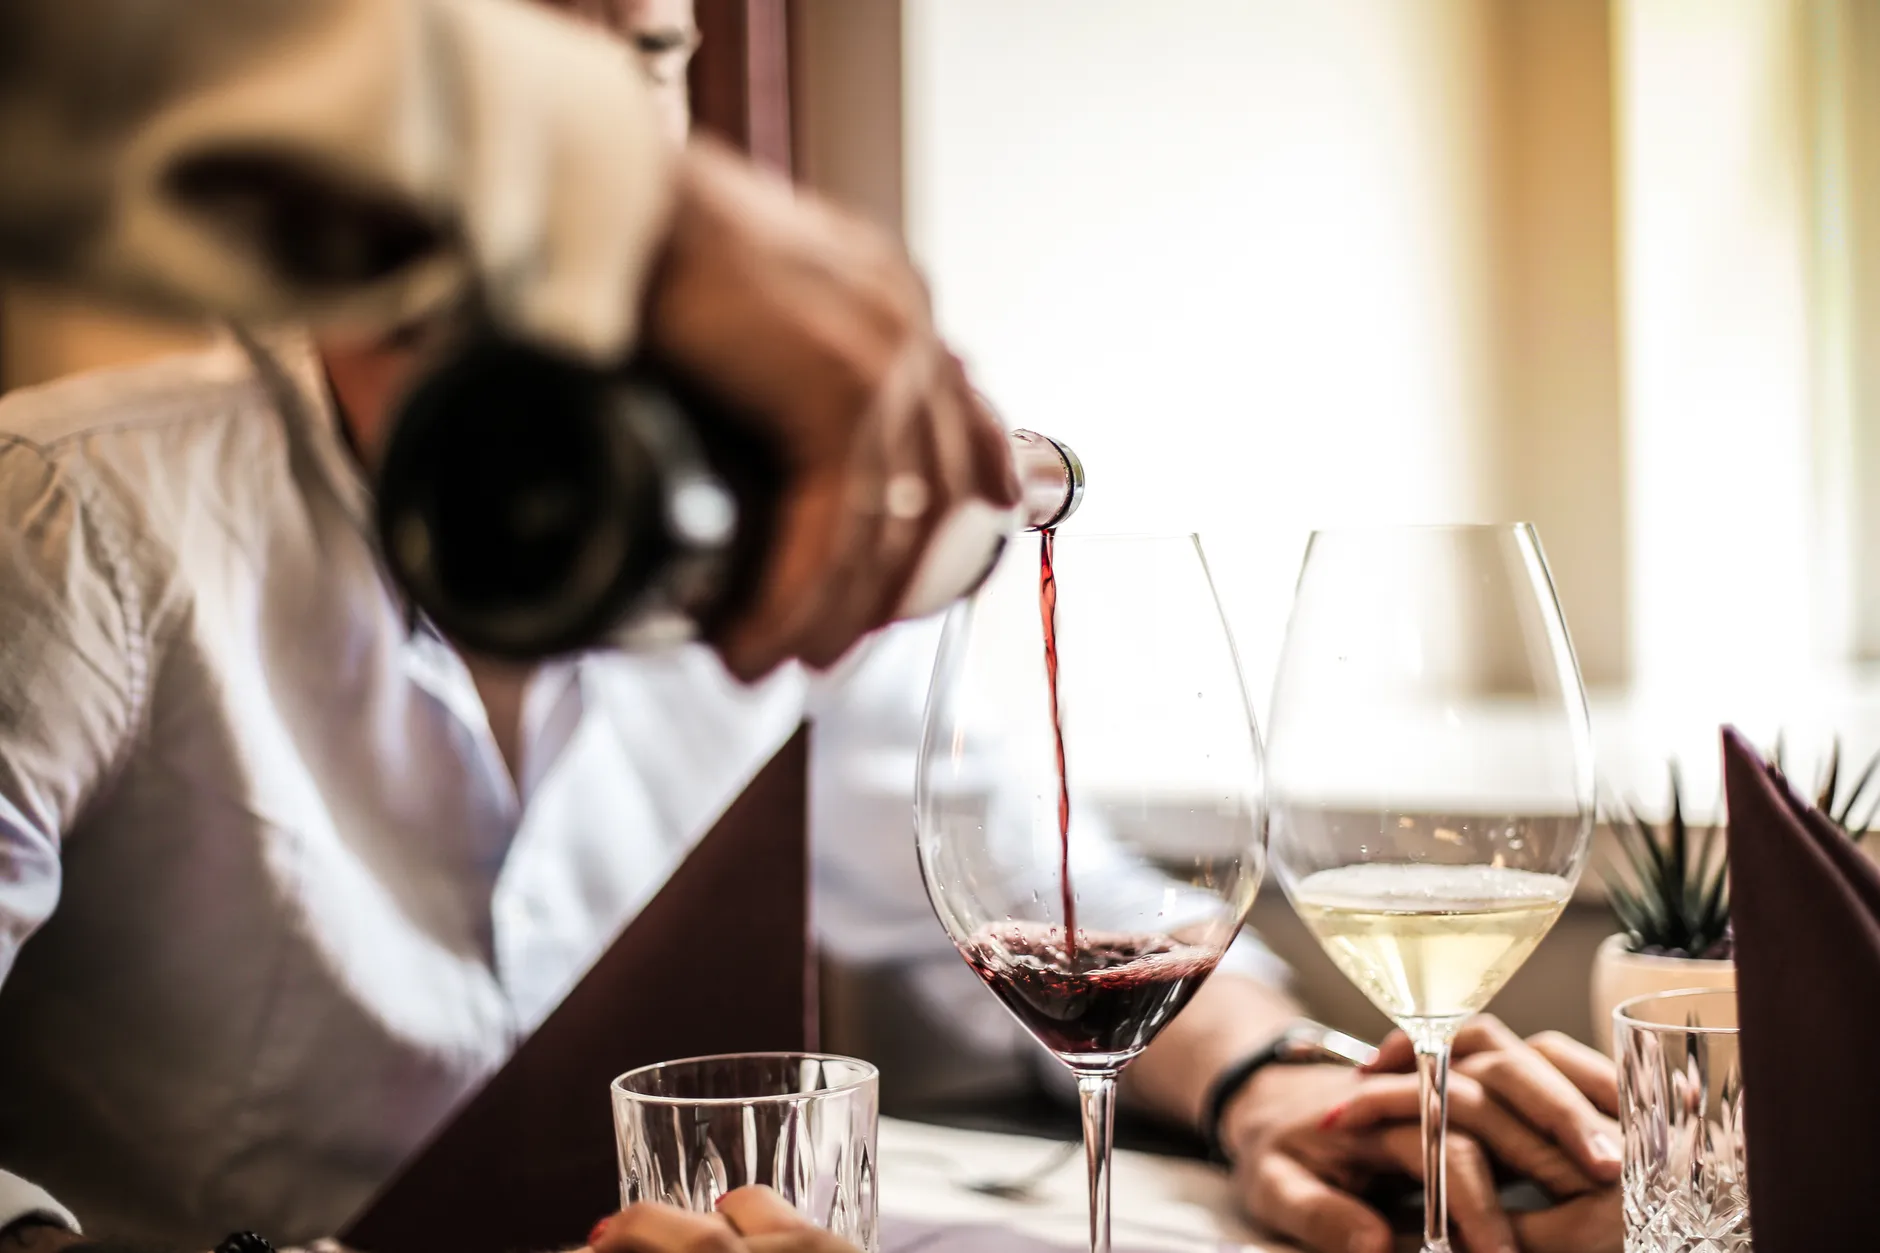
[717, 962]
[1805, 904]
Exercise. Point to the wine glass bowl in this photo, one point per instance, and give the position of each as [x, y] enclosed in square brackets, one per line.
[1429, 774]
[1091, 817]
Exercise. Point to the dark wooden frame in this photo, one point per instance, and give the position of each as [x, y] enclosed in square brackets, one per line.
[740, 78]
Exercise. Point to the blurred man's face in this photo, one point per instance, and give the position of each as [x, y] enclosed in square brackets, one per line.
[662, 34]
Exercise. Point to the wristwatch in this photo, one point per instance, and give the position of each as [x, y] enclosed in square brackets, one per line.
[1303, 1043]
[244, 1242]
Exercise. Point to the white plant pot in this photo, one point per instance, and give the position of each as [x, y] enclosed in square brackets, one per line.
[1619, 975]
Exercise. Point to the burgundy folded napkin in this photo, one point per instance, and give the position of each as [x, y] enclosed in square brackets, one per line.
[903, 1236]
[1805, 904]
[718, 962]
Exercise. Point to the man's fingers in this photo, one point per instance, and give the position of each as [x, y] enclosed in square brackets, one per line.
[769, 630]
[1593, 1223]
[848, 603]
[810, 1240]
[1474, 1200]
[1523, 1079]
[749, 1220]
[898, 467]
[1588, 1069]
[758, 1211]
[663, 1229]
[1297, 1204]
[1473, 1111]
[990, 471]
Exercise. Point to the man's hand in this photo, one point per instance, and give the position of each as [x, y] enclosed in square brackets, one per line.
[1306, 1139]
[815, 326]
[750, 1220]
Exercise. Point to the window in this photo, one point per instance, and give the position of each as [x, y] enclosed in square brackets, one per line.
[1605, 266]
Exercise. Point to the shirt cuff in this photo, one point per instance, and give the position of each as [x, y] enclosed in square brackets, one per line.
[20, 1199]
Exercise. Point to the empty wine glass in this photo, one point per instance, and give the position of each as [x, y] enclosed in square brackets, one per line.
[1429, 777]
[1089, 800]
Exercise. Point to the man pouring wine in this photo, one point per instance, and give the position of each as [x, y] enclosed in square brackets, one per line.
[246, 804]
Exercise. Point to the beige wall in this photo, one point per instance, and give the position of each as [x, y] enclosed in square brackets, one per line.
[846, 57]
[1557, 345]
[1860, 35]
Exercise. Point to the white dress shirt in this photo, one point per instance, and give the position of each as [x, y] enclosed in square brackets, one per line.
[270, 903]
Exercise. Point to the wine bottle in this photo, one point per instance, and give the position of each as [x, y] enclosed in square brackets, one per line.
[530, 505]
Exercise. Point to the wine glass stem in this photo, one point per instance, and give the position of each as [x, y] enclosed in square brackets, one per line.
[1433, 1079]
[1096, 1092]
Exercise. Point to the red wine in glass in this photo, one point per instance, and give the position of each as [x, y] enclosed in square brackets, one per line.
[1109, 1001]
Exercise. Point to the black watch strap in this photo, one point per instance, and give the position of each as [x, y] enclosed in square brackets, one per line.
[244, 1242]
[1303, 1042]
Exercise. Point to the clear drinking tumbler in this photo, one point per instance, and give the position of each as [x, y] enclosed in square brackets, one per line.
[1681, 1105]
[801, 1123]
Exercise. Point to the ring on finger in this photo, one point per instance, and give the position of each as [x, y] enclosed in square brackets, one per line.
[906, 497]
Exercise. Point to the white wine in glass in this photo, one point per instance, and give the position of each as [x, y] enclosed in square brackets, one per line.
[1429, 777]
[1429, 942]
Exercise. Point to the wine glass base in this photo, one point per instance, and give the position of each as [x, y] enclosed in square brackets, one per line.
[1444, 1247]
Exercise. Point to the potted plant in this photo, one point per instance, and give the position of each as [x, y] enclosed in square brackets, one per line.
[1839, 809]
[1671, 895]
[1672, 901]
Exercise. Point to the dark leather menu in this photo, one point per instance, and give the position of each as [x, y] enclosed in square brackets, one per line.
[718, 962]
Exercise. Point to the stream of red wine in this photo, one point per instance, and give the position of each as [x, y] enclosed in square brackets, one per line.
[1047, 610]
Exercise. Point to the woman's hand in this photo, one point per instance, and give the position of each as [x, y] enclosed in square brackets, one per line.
[1530, 1073]
[750, 1220]
[1306, 1140]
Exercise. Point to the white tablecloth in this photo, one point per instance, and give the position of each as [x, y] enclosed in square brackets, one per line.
[1160, 1204]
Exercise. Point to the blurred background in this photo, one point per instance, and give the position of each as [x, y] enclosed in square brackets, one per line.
[1609, 266]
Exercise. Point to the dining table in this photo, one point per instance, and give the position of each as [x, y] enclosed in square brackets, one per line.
[951, 1190]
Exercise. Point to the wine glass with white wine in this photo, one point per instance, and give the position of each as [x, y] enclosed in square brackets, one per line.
[1429, 777]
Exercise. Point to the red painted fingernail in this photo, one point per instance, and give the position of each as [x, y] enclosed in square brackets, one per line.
[594, 1236]
[1331, 1118]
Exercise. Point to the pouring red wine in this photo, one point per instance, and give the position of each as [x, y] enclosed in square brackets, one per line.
[1043, 791]
[1047, 613]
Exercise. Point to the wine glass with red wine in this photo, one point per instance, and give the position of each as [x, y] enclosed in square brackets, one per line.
[1090, 803]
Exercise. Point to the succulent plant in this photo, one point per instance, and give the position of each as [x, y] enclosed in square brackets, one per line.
[1828, 796]
[1671, 898]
